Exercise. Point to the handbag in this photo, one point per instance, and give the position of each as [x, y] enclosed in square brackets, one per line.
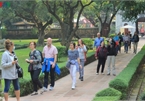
[30, 67]
[19, 70]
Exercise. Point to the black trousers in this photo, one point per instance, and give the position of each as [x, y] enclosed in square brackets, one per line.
[34, 76]
[101, 61]
[52, 77]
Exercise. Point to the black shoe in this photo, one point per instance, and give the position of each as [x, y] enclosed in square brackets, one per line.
[82, 79]
[114, 74]
[108, 74]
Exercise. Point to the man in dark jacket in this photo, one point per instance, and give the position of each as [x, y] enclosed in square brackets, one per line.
[111, 56]
[135, 42]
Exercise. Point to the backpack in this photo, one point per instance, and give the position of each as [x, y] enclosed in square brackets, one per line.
[40, 55]
[102, 52]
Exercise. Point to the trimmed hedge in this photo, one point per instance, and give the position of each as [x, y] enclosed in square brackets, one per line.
[108, 94]
[26, 84]
[123, 81]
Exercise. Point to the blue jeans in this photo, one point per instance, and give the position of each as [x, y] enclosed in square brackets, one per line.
[126, 47]
[15, 84]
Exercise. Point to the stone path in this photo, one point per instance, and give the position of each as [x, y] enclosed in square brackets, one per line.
[85, 90]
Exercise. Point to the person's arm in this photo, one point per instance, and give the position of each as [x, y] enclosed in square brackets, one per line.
[95, 41]
[37, 57]
[55, 57]
[84, 48]
[5, 63]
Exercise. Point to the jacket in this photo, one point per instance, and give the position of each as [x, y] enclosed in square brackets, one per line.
[46, 66]
[134, 38]
[112, 49]
[8, 69]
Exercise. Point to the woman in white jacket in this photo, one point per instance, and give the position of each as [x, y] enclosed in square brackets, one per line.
[9, 71]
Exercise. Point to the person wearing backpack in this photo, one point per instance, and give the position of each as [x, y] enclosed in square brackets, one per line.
[120, 41]
[81, 47]
[34, 67]
[101, 55]
[111, 56]
[135, 39]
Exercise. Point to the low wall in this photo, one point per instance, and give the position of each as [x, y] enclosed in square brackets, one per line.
[53, 33]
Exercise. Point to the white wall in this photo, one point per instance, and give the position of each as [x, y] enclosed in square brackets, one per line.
[120, 23]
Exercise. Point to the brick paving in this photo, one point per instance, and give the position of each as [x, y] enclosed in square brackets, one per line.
[85, 90]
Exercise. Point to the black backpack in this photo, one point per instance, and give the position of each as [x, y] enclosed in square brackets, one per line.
[40, 55]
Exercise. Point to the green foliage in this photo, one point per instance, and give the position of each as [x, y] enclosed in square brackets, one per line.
[122, 81]
[88, 43]
[131, 9]
[61, 51]
[108, 94]
[142, 97]
[3, 32]
[112, 35]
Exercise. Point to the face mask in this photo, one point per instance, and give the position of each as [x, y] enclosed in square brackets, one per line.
[13, 48]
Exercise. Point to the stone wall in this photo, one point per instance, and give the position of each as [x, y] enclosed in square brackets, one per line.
[53, 33]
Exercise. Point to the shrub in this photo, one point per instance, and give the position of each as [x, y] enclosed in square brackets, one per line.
[61, 51]
[88, 43]
[108, 94]
[122, 82]
[142, 97]
[112, 35]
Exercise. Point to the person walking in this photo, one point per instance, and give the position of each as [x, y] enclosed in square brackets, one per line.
[120, 41]
[9, 71]
[135, 39]
[73, 63]
[34, 67]
[98, 41]
[111, 56]
[101, 55]
[82, 55]
[116, 39]
[49, 65]
[126, 40]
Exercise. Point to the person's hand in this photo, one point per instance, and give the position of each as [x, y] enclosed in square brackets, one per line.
[96, 58]
[80, 66]
[14, 62]
[27, 60]
[53, 65]
[31, 61]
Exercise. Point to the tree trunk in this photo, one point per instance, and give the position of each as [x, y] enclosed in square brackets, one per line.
[41, 34]
[105, 29]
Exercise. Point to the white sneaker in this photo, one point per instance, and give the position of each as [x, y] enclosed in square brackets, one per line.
[97, 73]
[34, 93]
[44, 89]
[51, 88]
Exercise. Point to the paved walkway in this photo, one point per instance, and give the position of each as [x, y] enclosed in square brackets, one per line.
[85, 90]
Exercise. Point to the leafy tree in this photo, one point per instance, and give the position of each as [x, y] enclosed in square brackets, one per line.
[131, 9]
[102, 11]
[32, 11]
[64, 12]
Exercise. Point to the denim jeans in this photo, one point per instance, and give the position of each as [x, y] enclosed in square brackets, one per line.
[126, 47]
[34, 76]
[8, 82]
[52, 77]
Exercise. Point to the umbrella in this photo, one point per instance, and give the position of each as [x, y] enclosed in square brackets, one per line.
[127, 26]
